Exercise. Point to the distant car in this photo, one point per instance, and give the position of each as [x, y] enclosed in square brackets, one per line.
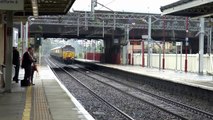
[65, 54]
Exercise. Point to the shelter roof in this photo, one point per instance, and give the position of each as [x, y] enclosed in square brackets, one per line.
[46, 7]
[191, 8]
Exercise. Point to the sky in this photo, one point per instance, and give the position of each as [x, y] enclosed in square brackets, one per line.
[139, 6]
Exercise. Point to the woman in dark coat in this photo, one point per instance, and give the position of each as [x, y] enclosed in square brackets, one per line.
[27, 61]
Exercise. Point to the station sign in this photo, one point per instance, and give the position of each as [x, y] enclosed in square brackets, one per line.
[116, 41]
[145, 36]
[15, 37]
[11, 4]
[178, 43]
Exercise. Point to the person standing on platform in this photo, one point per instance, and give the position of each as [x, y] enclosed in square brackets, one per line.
[16, 62]
[34, 68]
[27, 61]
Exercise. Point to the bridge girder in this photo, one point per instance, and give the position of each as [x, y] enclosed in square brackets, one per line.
[82, 22]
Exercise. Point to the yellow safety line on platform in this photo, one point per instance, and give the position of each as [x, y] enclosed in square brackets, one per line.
[28, 104]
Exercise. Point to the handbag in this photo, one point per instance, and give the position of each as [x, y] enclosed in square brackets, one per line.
[25, 83]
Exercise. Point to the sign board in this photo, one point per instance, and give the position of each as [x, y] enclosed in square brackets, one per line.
[15, 37]
[116, 41]
[11, 4]
[144, 36]
[178, 43]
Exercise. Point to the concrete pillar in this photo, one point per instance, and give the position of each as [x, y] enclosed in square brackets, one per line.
[1, 43]
[128, 43]
[9, 49]
[26, 36]
[107, 51]
[124, 55]
[210, 41]
[201, 45]
[124, 48]
[1, 50]
[22, 38]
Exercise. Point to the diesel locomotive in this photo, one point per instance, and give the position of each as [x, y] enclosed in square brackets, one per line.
[65, 54]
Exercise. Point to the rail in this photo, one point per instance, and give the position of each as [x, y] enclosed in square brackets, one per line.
[94, 94]
[148, 102]
[167, 100]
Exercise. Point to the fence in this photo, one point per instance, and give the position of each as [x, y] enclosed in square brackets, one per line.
[170, 62]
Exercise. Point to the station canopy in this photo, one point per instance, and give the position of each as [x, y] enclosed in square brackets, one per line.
[190, 8]
[46, 7]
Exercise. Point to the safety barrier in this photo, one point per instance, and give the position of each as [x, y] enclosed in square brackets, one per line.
[177, 63]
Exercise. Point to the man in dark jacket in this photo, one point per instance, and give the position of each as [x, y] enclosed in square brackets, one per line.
[26, 64]
[16, 62]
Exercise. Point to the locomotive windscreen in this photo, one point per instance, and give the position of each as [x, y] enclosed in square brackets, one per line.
[68, 48]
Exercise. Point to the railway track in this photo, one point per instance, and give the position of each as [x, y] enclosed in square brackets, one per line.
[176, 116]
[122, 114]
[185, 107]
[179, 110]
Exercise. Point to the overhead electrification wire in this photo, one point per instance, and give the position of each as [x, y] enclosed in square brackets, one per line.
[107, 4]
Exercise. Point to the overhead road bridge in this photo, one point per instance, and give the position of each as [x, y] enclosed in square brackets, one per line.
[109, 25]
[82, 24]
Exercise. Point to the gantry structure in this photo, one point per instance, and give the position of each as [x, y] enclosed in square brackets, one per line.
[110, 25]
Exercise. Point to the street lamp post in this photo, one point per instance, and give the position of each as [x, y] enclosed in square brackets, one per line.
[187, 32]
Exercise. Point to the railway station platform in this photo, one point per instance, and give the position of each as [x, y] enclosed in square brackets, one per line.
[190, 79]
[48, 99]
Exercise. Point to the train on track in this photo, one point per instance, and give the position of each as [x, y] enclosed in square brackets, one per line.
[65, 54]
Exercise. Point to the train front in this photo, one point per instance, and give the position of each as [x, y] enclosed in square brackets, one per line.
[68, 54]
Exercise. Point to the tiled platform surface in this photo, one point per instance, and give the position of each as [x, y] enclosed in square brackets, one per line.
[191, 79]
[12, 104]
[48, 99]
